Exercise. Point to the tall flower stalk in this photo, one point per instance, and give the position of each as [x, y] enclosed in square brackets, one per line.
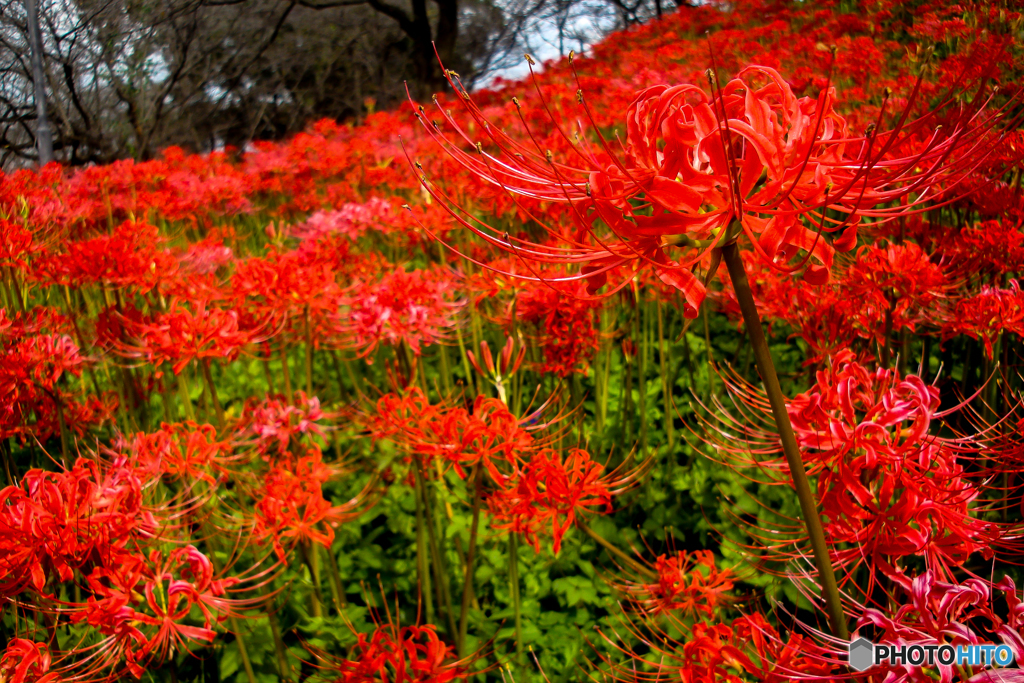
[808, 502]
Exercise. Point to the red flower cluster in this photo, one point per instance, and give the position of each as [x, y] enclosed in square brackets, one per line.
[550, 490]
[410, 308]
[889, 488]
[121, 283]
[489, 434]
[186, 332]
[699, 168]
[991, 313]
[291, 508]
[565, 322]
[57, 522]
[411, 654]
[37, 355]
[687, 582]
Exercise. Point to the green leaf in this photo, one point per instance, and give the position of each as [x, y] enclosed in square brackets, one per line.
[229, 661]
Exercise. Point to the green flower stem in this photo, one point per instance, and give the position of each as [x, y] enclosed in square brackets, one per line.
[626, 404]
[446, 373]
[284, 670]
[285, 374]
[465, 362]
[467, 582]
[337, 589]
[421, 552]
[5, 453]
[616, 551]
[168, 398]
[8, 291]
[16, 292]
[267, 374]
[309, 354]
[458, 335]
[354, 378]
[233, 622]
[64, 436]
[517, 607]
[601, 376]
[666, 387]
[217, 407]
[808, 502]
[711, 360]
[441, 589]
[342, 394]
[186, 397]
[641, 371]
[311, 555]
[901, 366]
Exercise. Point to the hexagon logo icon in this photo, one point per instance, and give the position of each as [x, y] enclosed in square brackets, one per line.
[861, 654]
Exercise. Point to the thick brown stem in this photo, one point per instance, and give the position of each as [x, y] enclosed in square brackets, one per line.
[808, 502]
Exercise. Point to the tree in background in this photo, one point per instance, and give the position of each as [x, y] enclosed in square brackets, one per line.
[125, 78]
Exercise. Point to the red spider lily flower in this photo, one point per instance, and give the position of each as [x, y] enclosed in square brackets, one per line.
[489, 434]
[896, 287]
[276, 422]
[411, 308]
[186, 451]
[565, 317]
[750, 153]
[133, 257]
[25, 661]
[177, 583]
[206, 256]
[393, 653]
[746, 649]
[36, 353]
[109, 610]
[79, 416]
[290, 289]
[402, 415]
[987, 315]
[146, 607]
[824, 316]
[550, 490]
[934, 612]
[412, 654]
[290, 506]
[898, 281]
[56, 522]
[16, 244]
[686, 582]
[349, 220]
[347, 223]
[992, 247]
[184, 333]
[889, 488]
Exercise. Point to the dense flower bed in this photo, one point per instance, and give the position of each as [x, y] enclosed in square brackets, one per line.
[463, 392]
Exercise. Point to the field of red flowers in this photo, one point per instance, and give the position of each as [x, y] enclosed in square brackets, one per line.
[478, 389]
